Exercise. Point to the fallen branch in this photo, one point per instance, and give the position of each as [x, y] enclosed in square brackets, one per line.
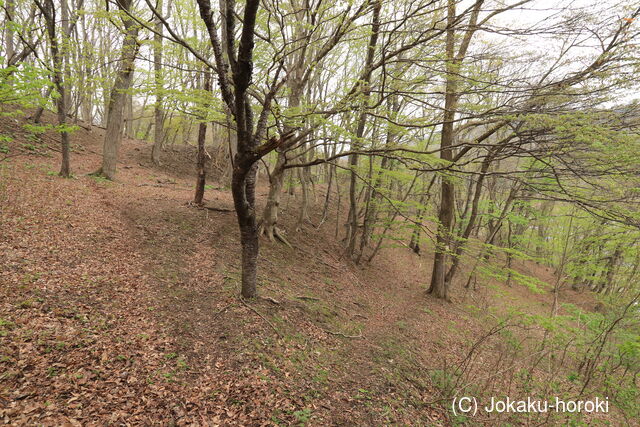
[263, 318]
[147, 185]
[211, 208]
[222, 310]
[217, 209]
[340, 334]
[302, 297]
[361, 315]
[10, 156]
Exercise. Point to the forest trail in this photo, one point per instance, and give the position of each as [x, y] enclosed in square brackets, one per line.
[119, 304]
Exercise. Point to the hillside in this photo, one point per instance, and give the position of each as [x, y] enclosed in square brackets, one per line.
[119, 306]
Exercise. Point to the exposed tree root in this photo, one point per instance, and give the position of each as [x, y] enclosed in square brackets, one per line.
[273, 234]
[281, 237]
[211, 208]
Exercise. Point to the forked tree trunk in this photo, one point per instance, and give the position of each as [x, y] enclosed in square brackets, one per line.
[270, 215]
[269, 223]
[234, 94]
[233, 89]
[374, 196]
[440, 278]
[352, 221]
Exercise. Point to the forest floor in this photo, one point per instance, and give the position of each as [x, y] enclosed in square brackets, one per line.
[119, 305]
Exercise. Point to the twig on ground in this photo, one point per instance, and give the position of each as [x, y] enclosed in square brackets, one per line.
[218, 209]
[211, 208]
[340, 334]
[152, 185]
[271, 300]
[302, 297]
[263, 318]
[222, 310]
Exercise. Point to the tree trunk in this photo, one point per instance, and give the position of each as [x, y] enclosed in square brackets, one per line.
[352, 222]
[606, 281]
[86, 82]
[48, 10]
[269, 224]
[439, 286]
[8, 33]
[243, 189]
[463, 236]
[201, 160]
[157, 69]
[118, 97]
[541, 246]
[374, 196]
[38, 114]
[303, 211]
[232, 135]
[440, 279]
[330, 173]
[233, 89]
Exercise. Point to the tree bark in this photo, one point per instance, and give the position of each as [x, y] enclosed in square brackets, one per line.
[48, 10]
[296, 85]
[440, 279]
[202, 158]
[234, 94]
[158, 113]
[439, 286]
[269, 224]
[352, 222]
[86, 80]
[8, 33]
[118, 96]
[606, 281]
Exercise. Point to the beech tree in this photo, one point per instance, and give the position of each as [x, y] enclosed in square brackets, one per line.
[250, 132]
[400, 122]
[158, 112]
[48, 10]
[118, 95]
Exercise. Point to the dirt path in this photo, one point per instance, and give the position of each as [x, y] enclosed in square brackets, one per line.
[119, 305]
[165, 320]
